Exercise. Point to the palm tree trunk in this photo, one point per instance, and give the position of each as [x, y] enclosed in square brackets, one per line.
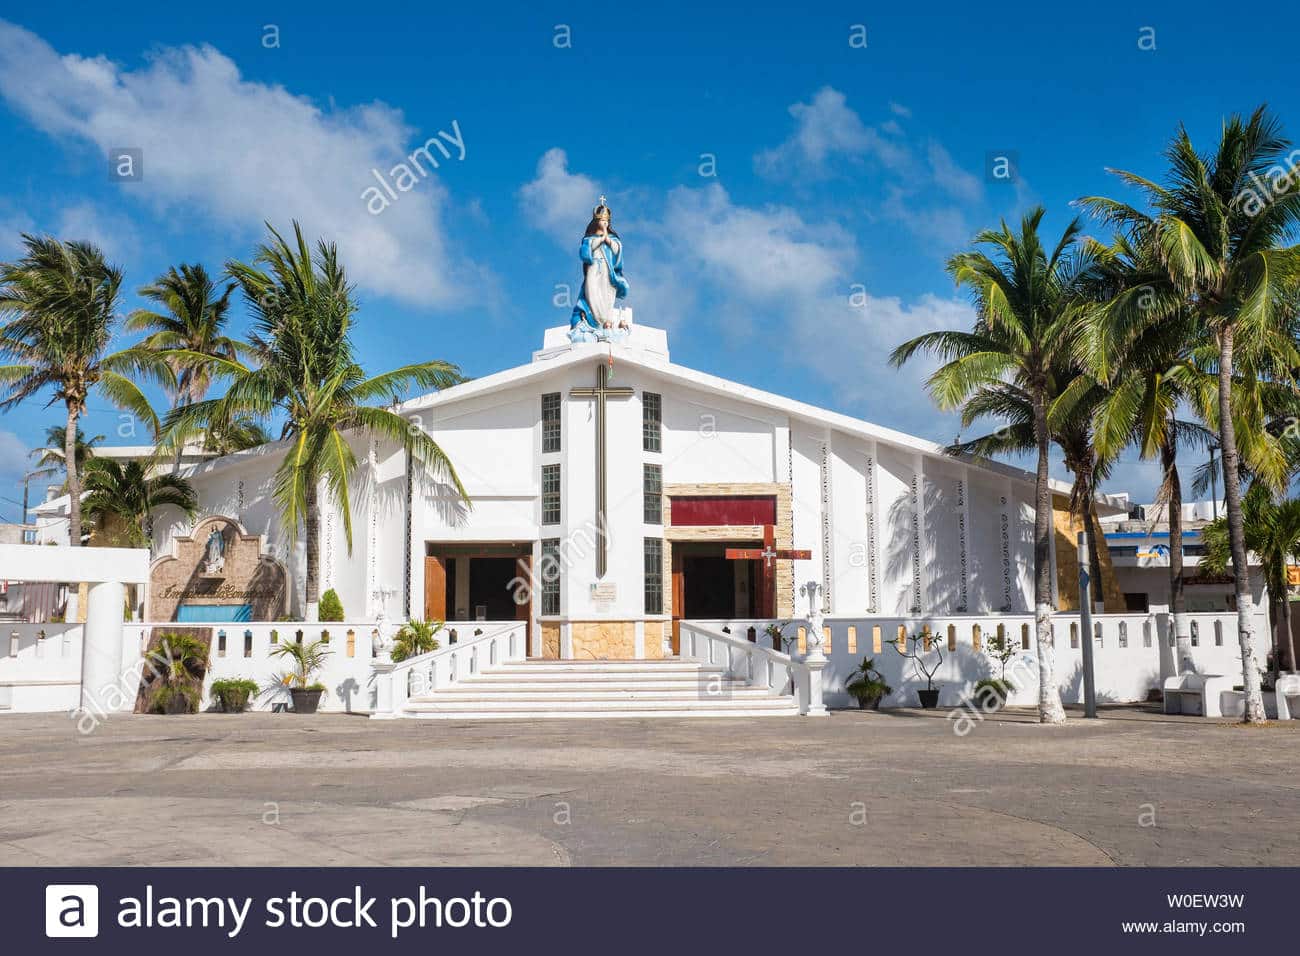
[1254, 706]
[74, 479]
[1177, 597]
[1050, 710]
[311, 612]
[1288, 636]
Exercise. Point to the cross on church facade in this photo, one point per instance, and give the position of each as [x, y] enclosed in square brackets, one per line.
[769, 554]
[602, 392]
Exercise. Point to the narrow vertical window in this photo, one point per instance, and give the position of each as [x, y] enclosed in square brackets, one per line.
[654, 576]
[653, 486]
[550, 575]
[550, 422]
[651, 421]
[550, 494]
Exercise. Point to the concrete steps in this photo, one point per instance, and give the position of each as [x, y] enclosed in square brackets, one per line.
[574, 689]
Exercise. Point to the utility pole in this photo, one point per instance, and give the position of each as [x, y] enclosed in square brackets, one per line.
[1214, 483]
[1085, 622]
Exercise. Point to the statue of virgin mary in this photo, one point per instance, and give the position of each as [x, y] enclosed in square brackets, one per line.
[596, 316]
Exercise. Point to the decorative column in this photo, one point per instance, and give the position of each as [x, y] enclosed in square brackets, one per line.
[101, 649]
[814, 659]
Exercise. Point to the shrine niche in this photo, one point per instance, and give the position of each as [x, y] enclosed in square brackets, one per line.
[218, 573]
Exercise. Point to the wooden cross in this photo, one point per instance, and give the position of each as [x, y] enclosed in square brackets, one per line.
[769, 554]
[601, 393]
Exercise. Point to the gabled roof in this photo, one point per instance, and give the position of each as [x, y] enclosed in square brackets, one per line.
[647, 349]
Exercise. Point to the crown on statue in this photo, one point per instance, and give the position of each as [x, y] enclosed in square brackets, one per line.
[601, 212]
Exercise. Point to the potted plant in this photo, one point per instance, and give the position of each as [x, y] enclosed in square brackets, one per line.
[992, 692]
[867, 685]
[416, 637]
[233, 693]
[178, 666]
[916, 647]
[776, 634]
[306, 659]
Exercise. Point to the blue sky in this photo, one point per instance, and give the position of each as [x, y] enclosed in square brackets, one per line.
[787, 196]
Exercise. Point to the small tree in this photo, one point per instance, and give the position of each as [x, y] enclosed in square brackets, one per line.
[331, 608]
[1002, 648]
[915, 648]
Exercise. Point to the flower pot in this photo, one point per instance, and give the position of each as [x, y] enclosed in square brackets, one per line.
[233, 701]
[929, 698]
[869, 703]
[305, 701]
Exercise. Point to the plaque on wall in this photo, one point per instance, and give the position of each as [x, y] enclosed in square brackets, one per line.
[604, 594]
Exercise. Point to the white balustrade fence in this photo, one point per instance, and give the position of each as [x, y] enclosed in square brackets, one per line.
[40, 666]
[1132, 653]
[489, 644]
[759, 666]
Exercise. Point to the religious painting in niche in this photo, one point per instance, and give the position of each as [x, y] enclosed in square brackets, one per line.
[219, 573]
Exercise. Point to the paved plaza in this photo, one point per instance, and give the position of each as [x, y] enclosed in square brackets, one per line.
[897, 788]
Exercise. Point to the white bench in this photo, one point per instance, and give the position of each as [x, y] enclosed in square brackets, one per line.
[1288, 697]
[1196, 694]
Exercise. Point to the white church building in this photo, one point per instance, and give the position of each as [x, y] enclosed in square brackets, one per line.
[633, 529]
[684, 467]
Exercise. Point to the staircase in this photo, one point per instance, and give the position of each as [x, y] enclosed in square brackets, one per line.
[545, 689]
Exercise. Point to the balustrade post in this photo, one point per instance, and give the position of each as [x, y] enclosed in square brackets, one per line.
[814, 660]
[385, 704]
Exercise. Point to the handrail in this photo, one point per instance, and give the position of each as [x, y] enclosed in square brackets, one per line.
[398, 681]
[759, 666]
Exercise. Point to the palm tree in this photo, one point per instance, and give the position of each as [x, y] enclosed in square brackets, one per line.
[1157, 377]
[1218, 225]
[1027, 302]
[415, 637]
[1272, 531]
[62, 299]
[191, 324]
[303, 367]
[50, 458]
[305, 659]
[241, 432]
[121, 499]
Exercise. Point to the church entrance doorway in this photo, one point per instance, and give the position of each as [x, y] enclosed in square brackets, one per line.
[709, 585]
[478, 582]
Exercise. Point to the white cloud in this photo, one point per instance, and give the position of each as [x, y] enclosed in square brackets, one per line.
[12, 226]
[85, 222]
[239, 152]
[13, 454]
[951, 177]
[825, 127]
[898, 109]
[557, 201]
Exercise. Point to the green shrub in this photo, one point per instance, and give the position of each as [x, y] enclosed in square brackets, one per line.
[867, 684]
[992, 692]
[233, 693]
[331, 608]
[178, 665]
[416, 637]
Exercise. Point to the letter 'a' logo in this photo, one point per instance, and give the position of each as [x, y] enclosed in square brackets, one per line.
[71, 910]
